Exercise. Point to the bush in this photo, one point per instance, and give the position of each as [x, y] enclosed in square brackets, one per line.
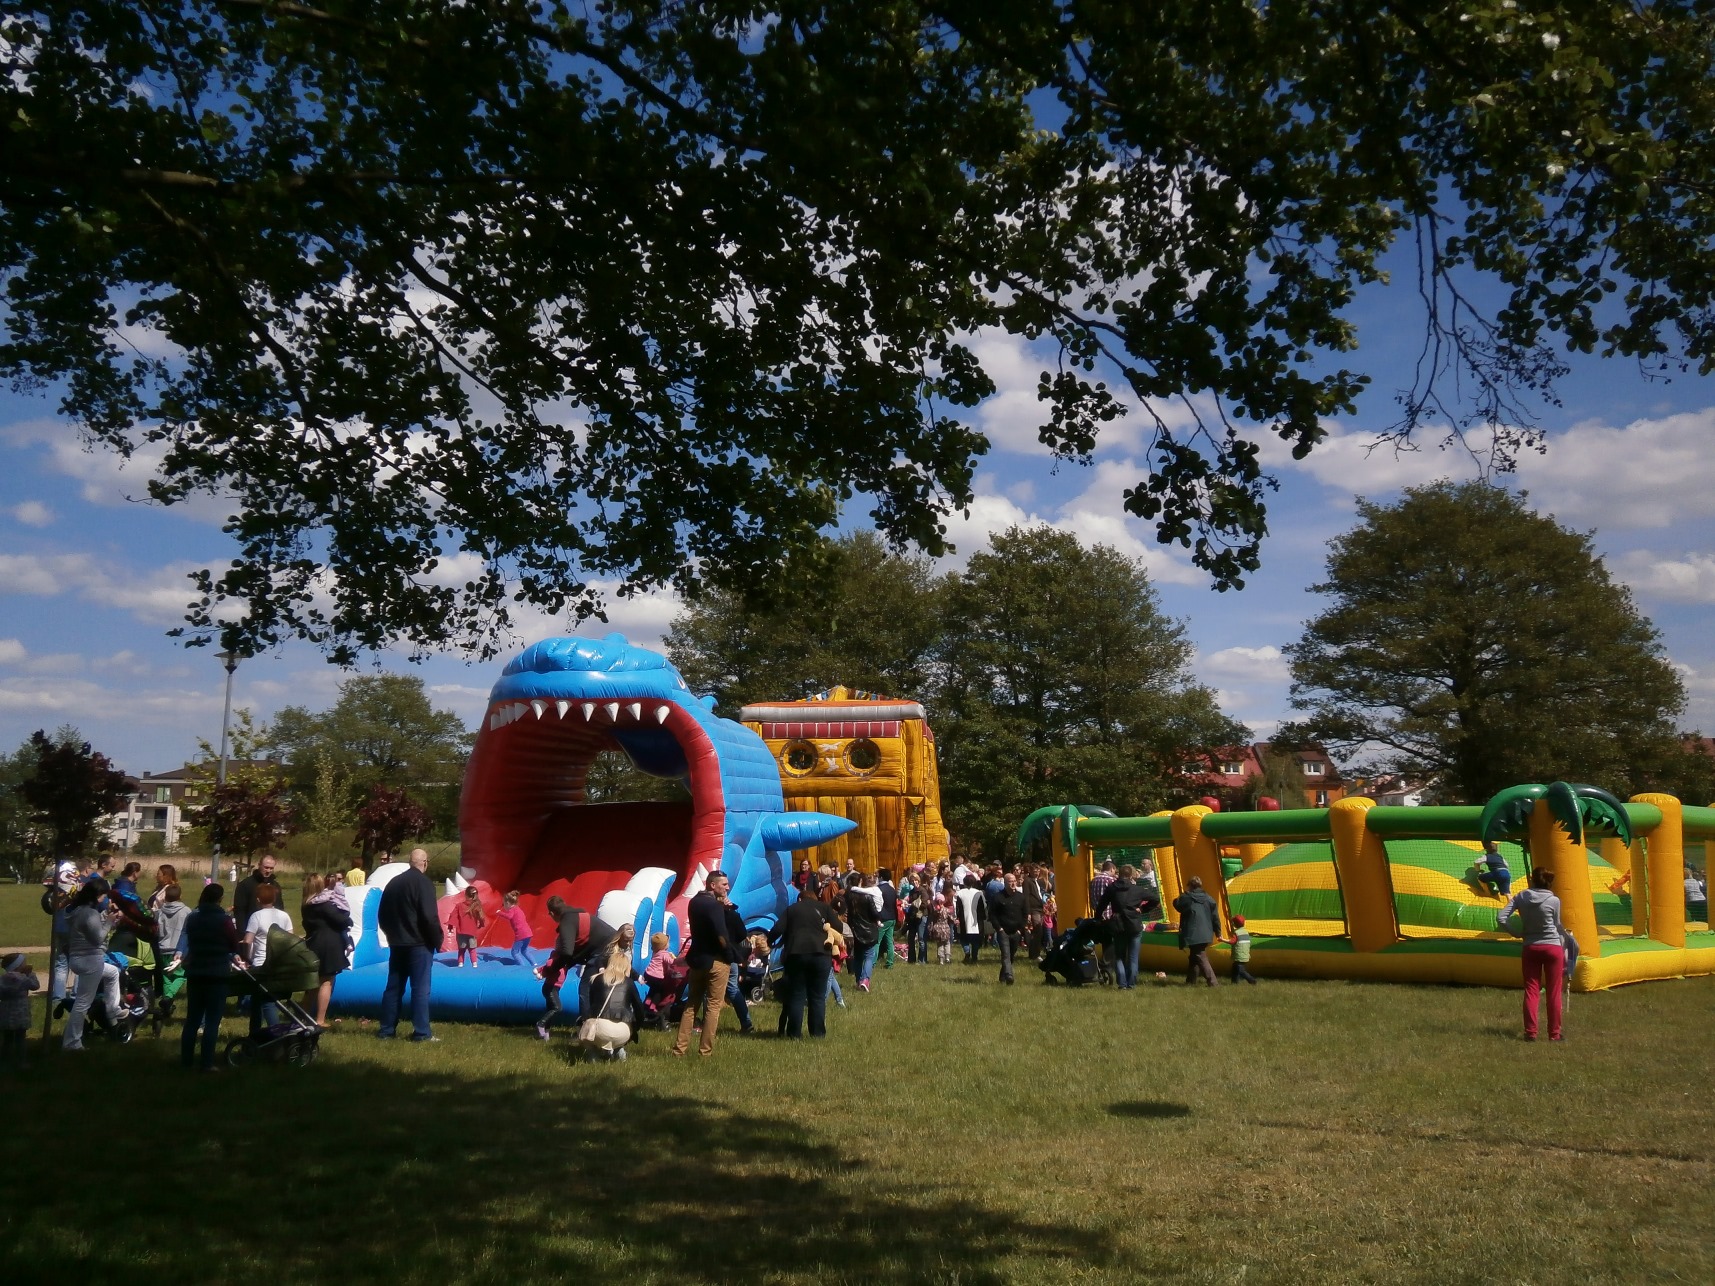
[150, 844]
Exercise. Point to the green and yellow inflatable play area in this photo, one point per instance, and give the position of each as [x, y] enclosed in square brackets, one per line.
[1360, 891]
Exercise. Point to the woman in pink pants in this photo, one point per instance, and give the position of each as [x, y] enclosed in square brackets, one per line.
[1544, 949]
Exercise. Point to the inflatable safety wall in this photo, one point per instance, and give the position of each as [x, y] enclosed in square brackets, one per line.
[1398, 894]
[864, 757]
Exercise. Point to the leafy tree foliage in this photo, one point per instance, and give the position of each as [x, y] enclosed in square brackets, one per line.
[1282, 780]
[463, 301]
[247, 815]
[382, 730]
[846, 612]
[71, 788]
[20, 836]
[327, 808]
[1064, 682]
[387, 819]
[1481, 644]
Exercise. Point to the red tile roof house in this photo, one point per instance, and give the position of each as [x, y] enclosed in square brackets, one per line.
[1237, 776]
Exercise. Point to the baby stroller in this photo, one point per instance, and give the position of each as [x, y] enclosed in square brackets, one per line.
[1073, 956]
[290, 967]
[753, 977]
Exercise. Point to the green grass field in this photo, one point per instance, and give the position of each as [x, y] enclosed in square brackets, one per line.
[947, 1130]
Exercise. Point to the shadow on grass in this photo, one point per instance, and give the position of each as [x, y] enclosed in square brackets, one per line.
[356, 1172]
[1149, 1110]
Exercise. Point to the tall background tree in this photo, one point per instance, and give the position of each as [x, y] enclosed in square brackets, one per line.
[244, 817]
[847, 611]
[728, 269]
[20, 836]
[388, 818]
[1064, 682]
[382, 730]
[1475, 642]
[71, 789]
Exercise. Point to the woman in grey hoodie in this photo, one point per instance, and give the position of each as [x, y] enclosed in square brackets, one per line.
[1545, 939]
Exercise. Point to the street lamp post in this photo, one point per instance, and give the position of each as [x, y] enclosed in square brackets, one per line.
[230, 661]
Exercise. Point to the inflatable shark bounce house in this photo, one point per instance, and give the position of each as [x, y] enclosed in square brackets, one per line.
[526, 824]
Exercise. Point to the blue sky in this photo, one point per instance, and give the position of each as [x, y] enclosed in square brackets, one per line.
[91, 579]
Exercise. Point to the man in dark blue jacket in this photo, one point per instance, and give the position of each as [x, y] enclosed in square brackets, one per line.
[412, 922]
[710, 958]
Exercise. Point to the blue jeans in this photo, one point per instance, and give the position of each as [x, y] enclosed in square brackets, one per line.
[205, 998]
[735, 998]
[407, 965]
[1499, 879]
[1125, 959]
[521, 953]
[807, 979]
[833, 987]
[866, 961]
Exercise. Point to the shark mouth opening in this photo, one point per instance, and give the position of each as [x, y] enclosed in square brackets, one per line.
[526, 823]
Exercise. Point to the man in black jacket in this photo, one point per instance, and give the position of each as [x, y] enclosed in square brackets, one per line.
[1008, 913]
[244, 892]
[863, 913]
[710, 959]
[802, 935]
[412, 922]
[1127, 899]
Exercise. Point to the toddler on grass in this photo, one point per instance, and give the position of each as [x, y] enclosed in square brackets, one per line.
[17, 981]
[1241, 943]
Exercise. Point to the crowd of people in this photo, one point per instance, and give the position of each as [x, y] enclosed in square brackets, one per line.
[119, 952]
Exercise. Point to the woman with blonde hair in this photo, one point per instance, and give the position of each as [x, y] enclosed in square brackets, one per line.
[610, 1007]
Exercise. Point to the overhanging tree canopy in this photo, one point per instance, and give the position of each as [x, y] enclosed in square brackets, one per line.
[463, 302]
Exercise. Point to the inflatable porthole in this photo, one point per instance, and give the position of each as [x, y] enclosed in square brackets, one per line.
[799, 757]
[863, 756]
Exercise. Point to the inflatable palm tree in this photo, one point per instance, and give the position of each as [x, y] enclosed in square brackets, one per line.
[1575, 807]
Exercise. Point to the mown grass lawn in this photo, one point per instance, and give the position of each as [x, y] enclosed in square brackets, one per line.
[947, 1130]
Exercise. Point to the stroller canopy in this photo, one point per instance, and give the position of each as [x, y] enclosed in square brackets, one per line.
[290, 966]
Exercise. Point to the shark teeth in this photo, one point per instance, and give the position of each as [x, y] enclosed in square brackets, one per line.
[512, 711]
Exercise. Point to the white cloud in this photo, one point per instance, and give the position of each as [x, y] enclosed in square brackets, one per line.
[1690, 578]
[32, 513]
[83, 700]
[108, 478]
[1700, 697]
[1252, 664]
[1350, 460]
[157, 597]
[12, 652]
[42, 573]
[1648, 473]
[642, 618]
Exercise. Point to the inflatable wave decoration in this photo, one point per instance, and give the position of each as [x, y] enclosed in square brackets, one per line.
[526, 823]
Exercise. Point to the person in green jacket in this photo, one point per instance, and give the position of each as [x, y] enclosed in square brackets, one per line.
[1199, 922]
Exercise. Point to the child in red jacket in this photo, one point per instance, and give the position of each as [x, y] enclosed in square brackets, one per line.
[467, 921]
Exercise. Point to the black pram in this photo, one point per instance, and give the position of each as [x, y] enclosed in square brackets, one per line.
[1073, 956]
